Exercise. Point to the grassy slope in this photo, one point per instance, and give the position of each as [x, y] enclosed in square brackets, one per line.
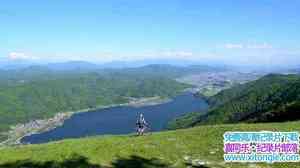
[156, 150]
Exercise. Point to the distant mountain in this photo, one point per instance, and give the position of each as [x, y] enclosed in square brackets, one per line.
[273, 98]
[164, 70]
[140, 63]
[6, 64]
[50, 71]
[296, 70]
[73, 65]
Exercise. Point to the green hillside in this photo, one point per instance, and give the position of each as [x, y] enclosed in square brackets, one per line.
[180, 148]
[273, 98]
[35, 97]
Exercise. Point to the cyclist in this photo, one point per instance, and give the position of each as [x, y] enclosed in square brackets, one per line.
[141, 124]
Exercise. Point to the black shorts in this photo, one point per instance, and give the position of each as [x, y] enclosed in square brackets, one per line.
[140, 126]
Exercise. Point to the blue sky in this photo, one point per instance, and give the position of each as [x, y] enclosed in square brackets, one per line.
[229, 31]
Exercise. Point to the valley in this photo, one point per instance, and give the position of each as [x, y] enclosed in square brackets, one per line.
[100, 103]
[211, 83]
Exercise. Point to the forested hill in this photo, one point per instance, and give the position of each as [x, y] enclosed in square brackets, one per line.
[272, 98]
[24, 98]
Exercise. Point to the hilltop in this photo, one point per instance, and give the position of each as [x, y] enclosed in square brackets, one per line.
[196, 146]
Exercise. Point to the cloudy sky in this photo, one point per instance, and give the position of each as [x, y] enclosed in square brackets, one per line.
[230, 31]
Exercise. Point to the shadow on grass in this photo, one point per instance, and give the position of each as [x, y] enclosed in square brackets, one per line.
[77, 161]
[195, 166]
[138, 162]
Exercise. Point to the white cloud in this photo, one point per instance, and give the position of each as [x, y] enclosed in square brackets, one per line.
[177, 54]
[248, 46]
[159, 54]
[259, 46]
[20, 56]
[233, 46]
[16, 55]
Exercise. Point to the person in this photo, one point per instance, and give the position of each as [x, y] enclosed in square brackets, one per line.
[141, 124]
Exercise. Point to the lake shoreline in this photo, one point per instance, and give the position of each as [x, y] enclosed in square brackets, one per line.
[120, 120]
[19, 131]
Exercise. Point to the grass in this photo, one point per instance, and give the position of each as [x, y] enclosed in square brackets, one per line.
[163, 149]
[3, 137]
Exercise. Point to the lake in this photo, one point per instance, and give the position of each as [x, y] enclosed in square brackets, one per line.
[120, 119]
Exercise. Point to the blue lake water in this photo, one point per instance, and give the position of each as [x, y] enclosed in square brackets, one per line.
[120, 119]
